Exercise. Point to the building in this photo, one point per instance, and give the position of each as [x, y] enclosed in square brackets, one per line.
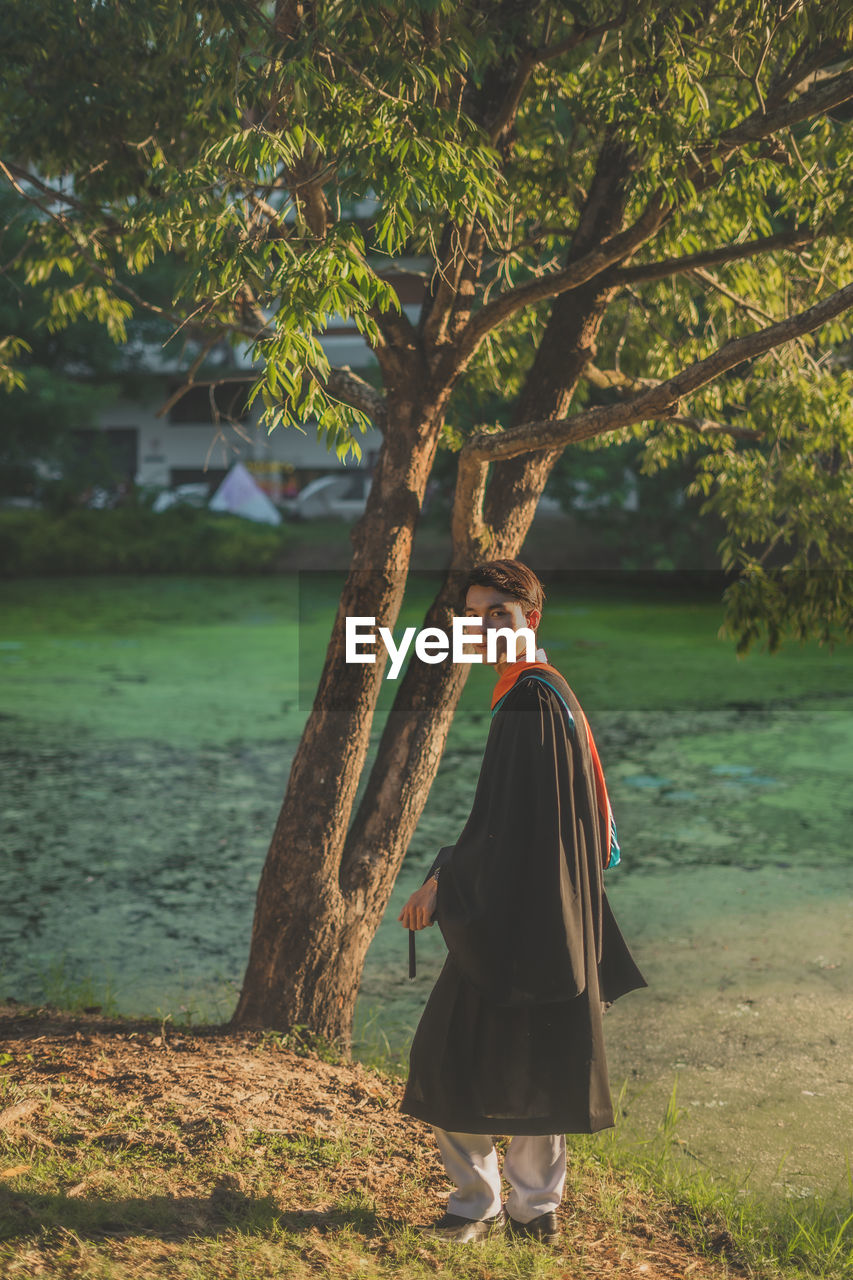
[184, 444]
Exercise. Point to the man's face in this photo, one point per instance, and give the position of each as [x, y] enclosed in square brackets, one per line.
[496, 609]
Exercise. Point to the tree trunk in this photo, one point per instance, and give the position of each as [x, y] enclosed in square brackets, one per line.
[416, 729]
[418, 722]
[308, 939]
[567, 346]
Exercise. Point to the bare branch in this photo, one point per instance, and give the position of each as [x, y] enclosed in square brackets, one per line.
[642, 273]
[707, 427]
[545, 53]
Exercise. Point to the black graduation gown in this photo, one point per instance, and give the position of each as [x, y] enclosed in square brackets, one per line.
[510, 1040]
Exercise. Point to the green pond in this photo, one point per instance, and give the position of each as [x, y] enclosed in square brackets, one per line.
[148, 728]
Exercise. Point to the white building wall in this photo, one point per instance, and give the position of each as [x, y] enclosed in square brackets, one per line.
[163, 447]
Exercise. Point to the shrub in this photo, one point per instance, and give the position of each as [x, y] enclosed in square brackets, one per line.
[133, 539]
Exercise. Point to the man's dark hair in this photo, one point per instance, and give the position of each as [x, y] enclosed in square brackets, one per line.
[510, 576]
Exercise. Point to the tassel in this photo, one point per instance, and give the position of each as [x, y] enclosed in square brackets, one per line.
[411, 953]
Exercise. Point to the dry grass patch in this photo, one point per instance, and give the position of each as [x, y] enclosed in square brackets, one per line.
[129, 1150]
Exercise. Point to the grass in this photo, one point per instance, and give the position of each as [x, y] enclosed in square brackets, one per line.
[76, 994]
[811, 1237]
[182, 660]
[102, 1184]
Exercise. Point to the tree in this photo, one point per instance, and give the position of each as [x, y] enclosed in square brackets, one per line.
[645, 205]
[38, 416]
[64, 374]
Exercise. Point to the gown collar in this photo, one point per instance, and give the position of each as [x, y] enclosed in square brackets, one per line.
[515, 669]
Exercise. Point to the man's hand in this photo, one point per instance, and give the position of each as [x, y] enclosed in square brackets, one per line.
[419, 910]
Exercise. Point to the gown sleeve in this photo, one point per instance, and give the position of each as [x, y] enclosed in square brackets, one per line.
[519, 899]
[442, 857]
[441, 860]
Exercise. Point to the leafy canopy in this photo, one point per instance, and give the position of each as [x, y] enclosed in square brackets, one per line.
[282, 156]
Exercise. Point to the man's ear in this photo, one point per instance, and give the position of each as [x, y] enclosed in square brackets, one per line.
[533, 618]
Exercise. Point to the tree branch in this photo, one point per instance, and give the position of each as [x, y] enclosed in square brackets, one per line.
[537, 57]
[761, 124]
[751, 308]
[342, 383]
[615, 380]
[701, 173]
[645, 272]
[466, 288]
[509, 107]
[579, 34]
[800, 66]
[571, 277]
[707, 427]
[657, 402]
[353, 390]
[450, 260]
[458, 263]
[14, 171]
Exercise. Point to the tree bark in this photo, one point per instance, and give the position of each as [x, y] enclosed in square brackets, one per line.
[323, 890]
[309, 937]
[413, 738]
[499, 516]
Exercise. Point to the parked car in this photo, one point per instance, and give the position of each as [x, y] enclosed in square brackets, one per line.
[187, 495]
[344, 497]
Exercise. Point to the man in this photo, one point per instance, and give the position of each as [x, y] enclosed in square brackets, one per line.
[510, 1040]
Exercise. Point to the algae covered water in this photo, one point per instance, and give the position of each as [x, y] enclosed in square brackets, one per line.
[148, 731]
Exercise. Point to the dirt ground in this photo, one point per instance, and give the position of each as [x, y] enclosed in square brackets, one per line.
[84, 1084]
[749, 1014]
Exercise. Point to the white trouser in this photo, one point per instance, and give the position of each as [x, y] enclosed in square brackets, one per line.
[534, 1166]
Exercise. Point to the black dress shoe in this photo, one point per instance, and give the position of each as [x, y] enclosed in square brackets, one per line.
[544, 1228]
[464, 1230]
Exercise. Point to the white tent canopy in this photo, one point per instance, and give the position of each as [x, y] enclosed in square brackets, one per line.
[241, 496]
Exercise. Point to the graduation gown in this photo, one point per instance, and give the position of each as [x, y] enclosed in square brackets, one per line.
[510, 1040]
